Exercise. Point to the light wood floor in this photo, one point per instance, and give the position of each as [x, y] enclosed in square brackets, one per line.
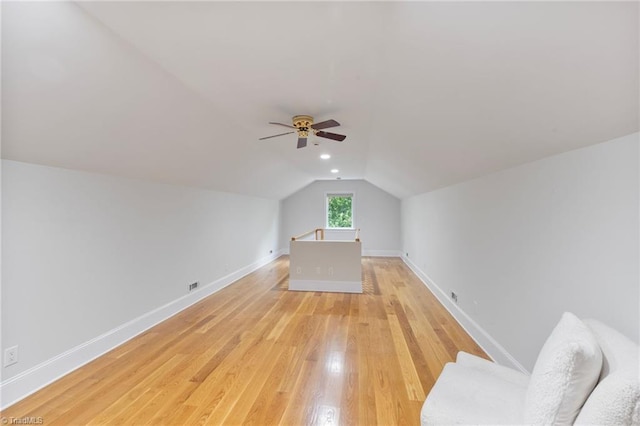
[255, 353]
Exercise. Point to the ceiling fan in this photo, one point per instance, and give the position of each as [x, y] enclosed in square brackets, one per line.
[302, 124]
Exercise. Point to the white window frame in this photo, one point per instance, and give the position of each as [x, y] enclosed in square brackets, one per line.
[351, 194]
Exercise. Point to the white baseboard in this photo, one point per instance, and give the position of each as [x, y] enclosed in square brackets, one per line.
[382, 253]
[477, 333]
[330, 286]
[24, 384]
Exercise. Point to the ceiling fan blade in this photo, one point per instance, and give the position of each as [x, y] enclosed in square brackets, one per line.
[275, 136]
[302, 142]
[328, 135]
[325, 124]
[281, 124]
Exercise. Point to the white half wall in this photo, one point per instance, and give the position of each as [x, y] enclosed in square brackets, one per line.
[523, 245]
[325, 266]
[89, 257]
[376, 213]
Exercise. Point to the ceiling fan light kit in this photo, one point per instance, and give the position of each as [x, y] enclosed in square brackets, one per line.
[302, 124]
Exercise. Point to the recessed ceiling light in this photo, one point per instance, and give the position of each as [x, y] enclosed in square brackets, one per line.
[325, 156]
[334, 170]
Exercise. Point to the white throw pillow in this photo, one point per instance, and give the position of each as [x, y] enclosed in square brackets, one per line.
[616, 399]
[565, 372]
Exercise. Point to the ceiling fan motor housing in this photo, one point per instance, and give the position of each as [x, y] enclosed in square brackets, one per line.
[302, 123]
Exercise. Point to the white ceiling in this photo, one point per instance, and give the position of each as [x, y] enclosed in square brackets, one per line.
[429, 94]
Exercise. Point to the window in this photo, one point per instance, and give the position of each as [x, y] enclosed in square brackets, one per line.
[340, 210]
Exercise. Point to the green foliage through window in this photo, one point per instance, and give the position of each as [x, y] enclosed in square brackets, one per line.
[340, 211]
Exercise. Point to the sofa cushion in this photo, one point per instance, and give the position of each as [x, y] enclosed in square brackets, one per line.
[466, 395]
[565, 372]
[503, 373]
[616, 398]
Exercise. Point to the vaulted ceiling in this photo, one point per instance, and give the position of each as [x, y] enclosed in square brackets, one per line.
[429, 94]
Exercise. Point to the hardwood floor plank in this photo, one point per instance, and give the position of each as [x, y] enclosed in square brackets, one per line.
[269, 406]
[244, 393]
[411, 380]
[349, 406]
[419, 360]
[256, 353]
[366, 375]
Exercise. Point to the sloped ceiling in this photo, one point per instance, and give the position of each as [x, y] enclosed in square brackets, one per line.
[428, 94]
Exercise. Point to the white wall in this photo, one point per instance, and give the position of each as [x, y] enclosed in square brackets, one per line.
[523, 245]
[83, 254]
[376, 213]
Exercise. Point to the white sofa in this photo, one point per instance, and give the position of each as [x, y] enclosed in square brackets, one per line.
[586, 373]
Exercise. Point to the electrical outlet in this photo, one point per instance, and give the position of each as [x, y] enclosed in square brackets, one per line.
[10, 356]
[454, 297]
[193, 286]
